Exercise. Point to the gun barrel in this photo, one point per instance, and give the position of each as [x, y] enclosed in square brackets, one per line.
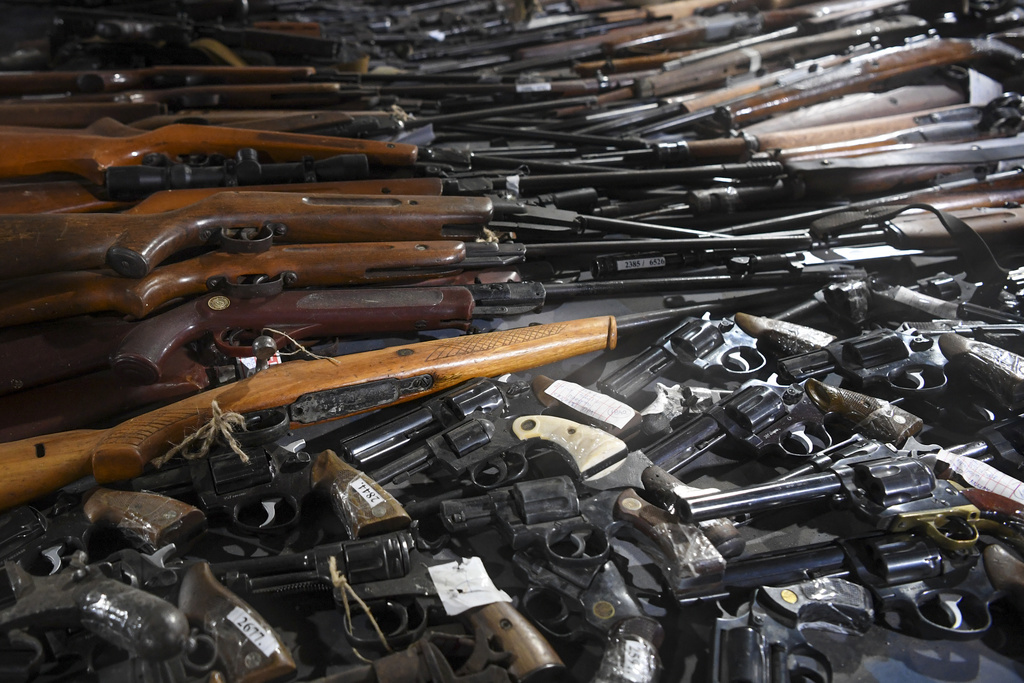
[760, 498]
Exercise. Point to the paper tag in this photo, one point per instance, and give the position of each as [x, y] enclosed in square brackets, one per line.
[982, 88]
[465, 584]
[533, 87]
[437, 35]
[880, 251]
[754, 57]
[257, 634]
[250, 361]
[366, 492]
[637, 263]
[983, 476]
[512, 184]
[591, 403]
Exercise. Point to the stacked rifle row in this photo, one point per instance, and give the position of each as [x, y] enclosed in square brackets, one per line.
[190, 199]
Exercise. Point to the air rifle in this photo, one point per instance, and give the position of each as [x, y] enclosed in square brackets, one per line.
[313, 391]
[133, 244]
[90, 151]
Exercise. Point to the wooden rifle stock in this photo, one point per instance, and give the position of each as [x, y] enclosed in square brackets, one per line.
[863, 72]
[49, 114]
[89, 398]
[38, 466]
[79, 292]
[1002, 229]
[17, 84]
[89, 152]
[69, 196]
[133, 244]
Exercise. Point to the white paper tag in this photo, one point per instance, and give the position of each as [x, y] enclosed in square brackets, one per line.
[250, 361]
[591, 403]
[880, 251]
[983, 476]
[755, 59]
[638, 263]
[465, 584]
[512, 184]
[366, 492]
[983, 89]
[533, 87]
[437, 35]
[257, 635]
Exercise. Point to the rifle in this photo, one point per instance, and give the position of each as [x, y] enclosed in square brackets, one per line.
[89, 152]
[854, 74]
[17, 84]
[313, 391]
[47, 114]
[68, 196]
[133, 244]
[36, 299]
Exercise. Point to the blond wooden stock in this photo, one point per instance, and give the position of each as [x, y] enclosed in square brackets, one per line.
[62, 295]
[37, 466]
[31, 151]
[33, 244]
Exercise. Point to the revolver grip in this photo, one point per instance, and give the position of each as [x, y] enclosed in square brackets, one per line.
[250, 651]
[359, 502]
[141, 623]
[149, 518]
[632, 652]
[502, 625]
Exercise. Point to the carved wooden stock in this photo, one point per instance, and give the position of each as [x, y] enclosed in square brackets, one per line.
[88, 152]
[68, 196]
[133, 244]
[78, 292]
[36, 466]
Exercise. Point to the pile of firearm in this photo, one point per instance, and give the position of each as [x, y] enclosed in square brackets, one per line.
[477, 341]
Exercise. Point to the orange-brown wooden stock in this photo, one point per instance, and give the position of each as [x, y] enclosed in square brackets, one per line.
[78, 292]
[89, 152]
[69, 196]
[36, 466]
[17, 84]
[44, 243]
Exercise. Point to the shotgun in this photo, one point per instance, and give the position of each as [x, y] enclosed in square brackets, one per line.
[90, 151]
[244, 221]
[312, 391]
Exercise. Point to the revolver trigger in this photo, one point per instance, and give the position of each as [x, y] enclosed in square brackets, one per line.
[53, 555]
[800, 438]
[950, 605]
[915, 379]
[270, 506]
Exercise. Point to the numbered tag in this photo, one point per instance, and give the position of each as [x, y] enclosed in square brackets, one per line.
[257, 634]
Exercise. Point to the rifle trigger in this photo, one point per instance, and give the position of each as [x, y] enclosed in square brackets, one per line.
[248, 240]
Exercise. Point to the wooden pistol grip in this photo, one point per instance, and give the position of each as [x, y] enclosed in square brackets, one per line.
[362, 505]
[63, 295]
[169, 200]
[121, 452]
[143, 352]
[305, 219]
[502, 625]
[149, 517]
[40, 465]
[248, 648]
[1000, 228]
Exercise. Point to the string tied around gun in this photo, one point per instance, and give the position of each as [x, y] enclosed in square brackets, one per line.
[221, 425]
[340, 582]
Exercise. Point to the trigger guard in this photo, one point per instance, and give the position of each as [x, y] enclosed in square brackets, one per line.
[262, 286]
[506, 475]
[400, 637]
[31, 644]
[263, 426]
[233, 244]
[974, 616]
[548, 625]
[558, 534]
